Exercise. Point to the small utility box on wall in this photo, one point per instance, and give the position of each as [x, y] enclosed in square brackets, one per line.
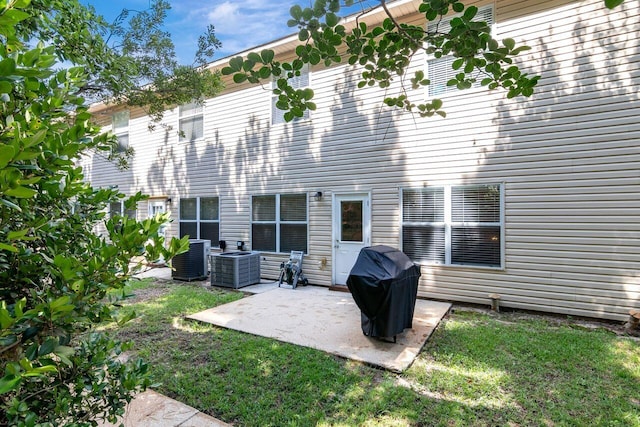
[235, 269]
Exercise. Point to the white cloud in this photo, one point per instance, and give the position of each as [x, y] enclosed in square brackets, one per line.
[239, 25]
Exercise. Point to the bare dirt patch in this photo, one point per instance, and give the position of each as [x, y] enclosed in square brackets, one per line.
[158, 289]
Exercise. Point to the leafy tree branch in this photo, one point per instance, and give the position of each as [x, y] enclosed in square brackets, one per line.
[59, 279]
[385, 52]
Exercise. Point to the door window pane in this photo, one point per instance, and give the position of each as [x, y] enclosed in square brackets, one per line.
[351, 221]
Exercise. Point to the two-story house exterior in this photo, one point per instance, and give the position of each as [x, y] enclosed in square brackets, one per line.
[536, 199]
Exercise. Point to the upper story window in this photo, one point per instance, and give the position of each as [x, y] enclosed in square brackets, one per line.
[200, 218]
[191, 123]
[439, 70]
[454, 225]
[120, 125]
[279, 223]
[119, 209]
[298, 82]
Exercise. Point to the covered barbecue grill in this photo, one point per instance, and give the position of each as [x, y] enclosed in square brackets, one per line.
[384, 285]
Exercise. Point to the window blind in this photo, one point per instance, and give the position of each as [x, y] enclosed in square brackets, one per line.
[293, 207]
[460, 224]
[279, 223]
[263, 208]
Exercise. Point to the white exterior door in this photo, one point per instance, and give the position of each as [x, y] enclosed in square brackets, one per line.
[351, 232]
[158, 207]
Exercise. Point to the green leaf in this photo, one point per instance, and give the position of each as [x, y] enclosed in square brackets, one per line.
[9, 248]
[239, 78]
[470, 13]
[15, 16]
[5, 318]
[248, 65]
[37, 372]
[509, 43]
[47, 346]
[267, 56]
[613, 3]
[332, 19]
[520, 49]
[64, 353]
[296, 12]
[236, 63]
[437, 104]
[5, 87]
[14, 235]
[252, 56]
[6, 155]
[59, 302]
[8, 383]
[21, 192]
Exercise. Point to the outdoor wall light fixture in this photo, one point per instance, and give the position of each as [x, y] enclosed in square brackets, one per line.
[317, 196]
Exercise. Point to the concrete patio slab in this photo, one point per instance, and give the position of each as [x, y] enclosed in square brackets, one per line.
[325, 320]
[154, 409]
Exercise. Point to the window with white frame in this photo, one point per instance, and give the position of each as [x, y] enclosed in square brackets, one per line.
[200, 218]
[120, 125]
[119, 208]
[279, 223]
[454, 225]
[298, 82]
[439, 70]
[191, 122]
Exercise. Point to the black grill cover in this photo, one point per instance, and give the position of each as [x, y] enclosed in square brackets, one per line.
[384, 285]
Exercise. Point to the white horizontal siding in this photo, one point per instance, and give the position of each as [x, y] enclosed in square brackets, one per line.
[568, 157]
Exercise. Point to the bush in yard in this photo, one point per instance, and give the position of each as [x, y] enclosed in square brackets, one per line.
[55, 272]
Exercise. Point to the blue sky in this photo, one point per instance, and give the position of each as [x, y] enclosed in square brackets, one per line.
[240, 24]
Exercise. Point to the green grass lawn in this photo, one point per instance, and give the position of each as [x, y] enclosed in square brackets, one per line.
[476, 370]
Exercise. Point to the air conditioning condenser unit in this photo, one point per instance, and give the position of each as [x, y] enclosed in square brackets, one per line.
[193, 264]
